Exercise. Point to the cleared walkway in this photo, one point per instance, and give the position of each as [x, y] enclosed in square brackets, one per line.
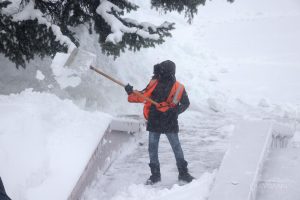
[204, 139]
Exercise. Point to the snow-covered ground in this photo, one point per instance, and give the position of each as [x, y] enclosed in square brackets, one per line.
[239, 59]
[204, 139]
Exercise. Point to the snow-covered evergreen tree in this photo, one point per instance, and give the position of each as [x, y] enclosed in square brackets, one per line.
[43, 27]
[22, 38]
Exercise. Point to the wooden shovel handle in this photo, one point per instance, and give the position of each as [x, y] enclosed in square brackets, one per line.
[107, 76]
[146, 98]
[123, 85]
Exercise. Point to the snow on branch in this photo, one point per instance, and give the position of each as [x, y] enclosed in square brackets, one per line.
[30, 13]
[145, 30]
[147, 26]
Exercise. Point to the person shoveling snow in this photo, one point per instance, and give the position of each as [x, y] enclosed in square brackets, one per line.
[163, 117]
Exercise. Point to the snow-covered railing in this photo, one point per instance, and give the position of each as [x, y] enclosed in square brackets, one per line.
[281, 134]
[120, 130]
[241, 166]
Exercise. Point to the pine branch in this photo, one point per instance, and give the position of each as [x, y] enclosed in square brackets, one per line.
[122, 33]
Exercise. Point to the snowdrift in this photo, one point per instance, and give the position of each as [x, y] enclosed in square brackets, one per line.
[45, 143]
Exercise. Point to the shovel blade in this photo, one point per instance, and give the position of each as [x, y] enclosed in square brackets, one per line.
[80, 59]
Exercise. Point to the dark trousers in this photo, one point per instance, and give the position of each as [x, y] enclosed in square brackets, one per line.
[3, 195]
[174, 142]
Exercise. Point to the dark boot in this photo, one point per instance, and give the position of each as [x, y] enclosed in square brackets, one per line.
[184, 175]
[155, 177]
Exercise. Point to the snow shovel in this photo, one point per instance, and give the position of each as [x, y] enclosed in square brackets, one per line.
[79, 58]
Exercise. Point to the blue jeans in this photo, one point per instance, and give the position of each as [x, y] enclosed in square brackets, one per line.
[174, 142]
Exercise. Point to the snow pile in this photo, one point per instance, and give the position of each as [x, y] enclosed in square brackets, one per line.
[196, 190]
[45, 143]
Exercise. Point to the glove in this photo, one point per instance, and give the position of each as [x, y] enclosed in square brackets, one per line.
[163, 107]
[128, 89]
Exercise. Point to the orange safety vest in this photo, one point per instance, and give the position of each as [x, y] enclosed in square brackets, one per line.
[172, 100]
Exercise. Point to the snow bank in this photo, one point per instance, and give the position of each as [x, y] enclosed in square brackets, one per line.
[45, 143]
[196, 190]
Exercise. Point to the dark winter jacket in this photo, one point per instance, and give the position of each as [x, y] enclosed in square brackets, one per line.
[165, 122]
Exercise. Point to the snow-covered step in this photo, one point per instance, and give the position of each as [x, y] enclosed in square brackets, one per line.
[120, 131]
[238, 174]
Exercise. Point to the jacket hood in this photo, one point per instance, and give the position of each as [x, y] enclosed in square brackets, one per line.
[167, 67]
[156, 71]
